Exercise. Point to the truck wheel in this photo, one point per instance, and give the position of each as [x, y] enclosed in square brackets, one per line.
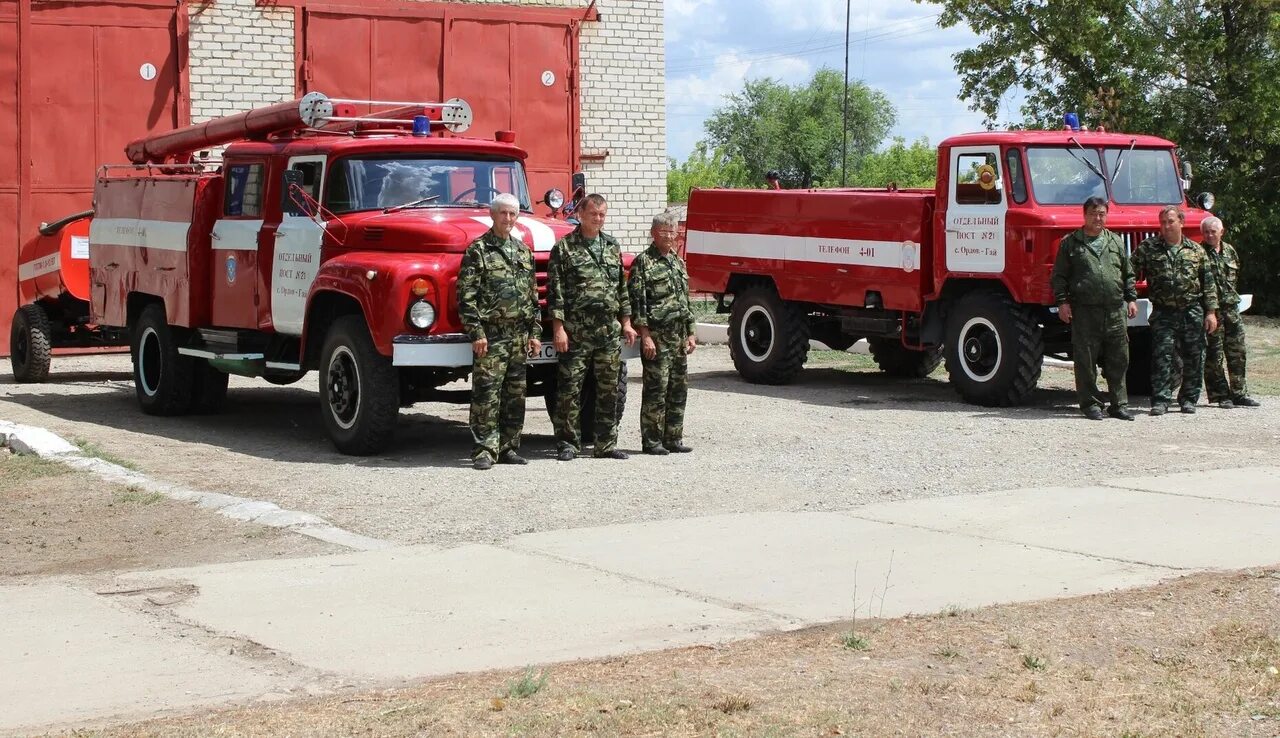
[897, 360]
[994, 350]
[359, 389]
[587, 415]
[162, 378]
[768, 337]
[1138, 376]
[208, 387]
[30, 344]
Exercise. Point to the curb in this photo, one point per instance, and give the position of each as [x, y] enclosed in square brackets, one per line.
[30, 440]
[712, 334]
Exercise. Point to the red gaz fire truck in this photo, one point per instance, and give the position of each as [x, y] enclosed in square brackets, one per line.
[329, 238]
[957, 273]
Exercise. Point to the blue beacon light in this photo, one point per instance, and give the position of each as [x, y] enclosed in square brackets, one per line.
[421, 125]
[1072, 121]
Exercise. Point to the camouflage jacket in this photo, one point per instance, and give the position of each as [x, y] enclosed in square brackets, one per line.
[497, 283]
[1226, 268]
[587, 288]
[1178, 276]
[1083, 277]
[660, 292]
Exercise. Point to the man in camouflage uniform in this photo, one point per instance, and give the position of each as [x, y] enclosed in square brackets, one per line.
[1184, 303]
[590, 317]
[1228, 341]
[1093, 285]
[498, 305]
[660, 312]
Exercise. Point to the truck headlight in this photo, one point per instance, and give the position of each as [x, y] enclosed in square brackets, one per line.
[422, 315]
[1205, 200]
[554, 199]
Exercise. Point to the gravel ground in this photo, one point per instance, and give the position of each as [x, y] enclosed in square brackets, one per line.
[840, 437]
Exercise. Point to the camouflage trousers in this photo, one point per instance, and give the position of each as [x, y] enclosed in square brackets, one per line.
[604, 361]
[498, 392]
[1100, 335]
[1177, 333]
[1226, 343]
[666, 388]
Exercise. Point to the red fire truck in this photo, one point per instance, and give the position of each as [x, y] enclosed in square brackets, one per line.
[957, 273]
[329, 238]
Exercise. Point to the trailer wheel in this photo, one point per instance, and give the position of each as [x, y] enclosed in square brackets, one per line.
[587, 414]
[359, 389]
[994, 350]
[30, 344]
[768, 337]
[208, 388]
[162, 378]
[897, 360]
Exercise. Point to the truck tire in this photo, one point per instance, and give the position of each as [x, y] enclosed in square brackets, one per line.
[359, 389]
[768, 337]
[30, 344]
[897, 360]
[162, 378]
[587, 416]
[208, 388]
[1138, 376]
[994, 349]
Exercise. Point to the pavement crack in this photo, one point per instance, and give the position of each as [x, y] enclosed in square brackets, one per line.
[780, 620]
[1039, 546]
[1126, 488]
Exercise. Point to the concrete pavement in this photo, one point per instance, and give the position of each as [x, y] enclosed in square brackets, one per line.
[161, 640]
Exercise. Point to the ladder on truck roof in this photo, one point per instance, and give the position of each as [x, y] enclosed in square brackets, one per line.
[314, 111]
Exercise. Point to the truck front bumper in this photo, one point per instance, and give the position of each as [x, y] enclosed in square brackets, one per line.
[1143, 317]
[454, 350]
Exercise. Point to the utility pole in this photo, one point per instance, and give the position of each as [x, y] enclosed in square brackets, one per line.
[844, 133]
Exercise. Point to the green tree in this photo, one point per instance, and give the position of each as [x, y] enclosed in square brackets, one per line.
[704, 168]
[906, 166]
[1204, 73]
[797, 130]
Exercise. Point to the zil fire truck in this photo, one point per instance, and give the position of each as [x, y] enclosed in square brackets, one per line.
[958, 273]
[329, 238]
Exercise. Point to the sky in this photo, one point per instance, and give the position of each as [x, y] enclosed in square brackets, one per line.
[895, 46]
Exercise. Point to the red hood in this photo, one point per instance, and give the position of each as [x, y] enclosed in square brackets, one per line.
[441, 229]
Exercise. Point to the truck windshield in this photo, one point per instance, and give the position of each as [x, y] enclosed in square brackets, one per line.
[379, 182]
[1146, 177]
[1065, 176]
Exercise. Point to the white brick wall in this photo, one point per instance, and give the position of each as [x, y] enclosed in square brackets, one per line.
[242, 56]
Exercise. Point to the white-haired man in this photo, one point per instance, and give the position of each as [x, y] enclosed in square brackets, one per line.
[1226, 345]
[498, 305]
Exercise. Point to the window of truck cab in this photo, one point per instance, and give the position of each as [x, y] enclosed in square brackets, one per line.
[244, 189]
[1144, 177]
[1064, 175]
[380, 181]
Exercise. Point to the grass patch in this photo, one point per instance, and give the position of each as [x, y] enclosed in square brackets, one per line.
[19, 469]
[950, 653]
[89, 448]
[731, 704]
[854, 641]
[1034, 663]
[842, 360]
[133, 495]
[527, 684]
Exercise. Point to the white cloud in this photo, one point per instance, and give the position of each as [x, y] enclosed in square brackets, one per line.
[692, 98]
[895, 46]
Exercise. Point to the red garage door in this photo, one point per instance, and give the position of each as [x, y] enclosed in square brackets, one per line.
[515, 66]
[87, 78]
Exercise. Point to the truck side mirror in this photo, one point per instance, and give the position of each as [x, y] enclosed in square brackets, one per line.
[1186, 170]
[578, 189]
[292, 200]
